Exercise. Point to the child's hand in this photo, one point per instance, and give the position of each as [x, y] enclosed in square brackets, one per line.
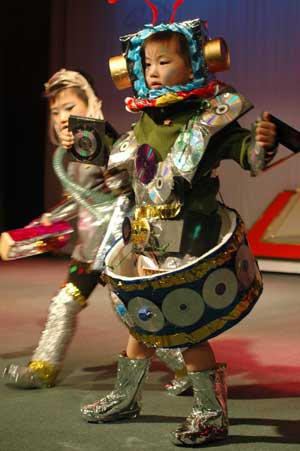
[265, 132]
[66, 138]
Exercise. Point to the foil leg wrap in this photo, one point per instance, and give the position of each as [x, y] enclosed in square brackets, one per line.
[208, 420]
[56, 336]
[172, 358]
[125, 399]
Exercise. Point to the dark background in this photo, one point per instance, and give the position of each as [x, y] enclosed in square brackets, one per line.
[40, 37]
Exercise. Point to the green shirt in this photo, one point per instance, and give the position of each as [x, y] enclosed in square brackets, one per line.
[232, 142]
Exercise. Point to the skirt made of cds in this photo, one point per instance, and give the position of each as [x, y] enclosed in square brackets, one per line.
[194, 302]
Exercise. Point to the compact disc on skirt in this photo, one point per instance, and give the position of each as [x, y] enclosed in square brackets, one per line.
[188, 149]
[146, 314]
[145, 163]
[160, 187]
[191, 303]
[224, 108]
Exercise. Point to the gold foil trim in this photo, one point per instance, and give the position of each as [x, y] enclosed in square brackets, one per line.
[73, 291]
[165, 211]
[204, 332]
[190, 275]
[46, 371]
[216, 55]
[119, 72]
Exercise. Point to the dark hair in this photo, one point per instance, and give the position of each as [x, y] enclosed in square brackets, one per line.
[167, 36]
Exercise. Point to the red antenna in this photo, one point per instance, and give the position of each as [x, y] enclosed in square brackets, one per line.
[150, 4]
[154, 11]
[175, 6]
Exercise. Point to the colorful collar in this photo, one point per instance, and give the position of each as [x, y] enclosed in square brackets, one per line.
[137, 104]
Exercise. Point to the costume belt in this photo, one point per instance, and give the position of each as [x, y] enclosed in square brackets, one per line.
[164, 211]
[139, 226]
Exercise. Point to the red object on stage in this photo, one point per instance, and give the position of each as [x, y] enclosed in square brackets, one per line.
[28, 241]
[276, 234]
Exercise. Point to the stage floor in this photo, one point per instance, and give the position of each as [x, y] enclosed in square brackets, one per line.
[262, 354]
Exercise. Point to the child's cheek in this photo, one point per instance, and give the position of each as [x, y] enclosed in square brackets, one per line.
[170, 76]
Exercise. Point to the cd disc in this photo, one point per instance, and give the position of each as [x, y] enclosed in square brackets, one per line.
[188, 150]
[220, 288]
[146, 314]
[161, 186]
[145, 164]
[85, 144]
[245, 266]
[224, 108]
[183, 307]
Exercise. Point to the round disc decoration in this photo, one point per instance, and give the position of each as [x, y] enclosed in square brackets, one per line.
[85, 145]
[220, 288]
[126, 230]
[145, 314]
[183, 307]
[224, 108]
[145, 164]
[188, 150]
[121, 309]
[161, 186]
[245, 266]
[123, 149]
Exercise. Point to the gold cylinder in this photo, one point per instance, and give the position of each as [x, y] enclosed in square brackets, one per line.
[119, 72]
[216, 55]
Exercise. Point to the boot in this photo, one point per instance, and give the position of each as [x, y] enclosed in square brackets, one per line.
[47, 359]
[125, 399]
[208, 421]
[181, 384]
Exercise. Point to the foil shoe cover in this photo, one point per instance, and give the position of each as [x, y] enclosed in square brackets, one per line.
[208, 420]
[173, 359]
[59, 329]
[35, 375]
[124, 401]
[180, 386]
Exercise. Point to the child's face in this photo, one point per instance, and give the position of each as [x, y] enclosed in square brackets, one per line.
[65, 103]
[164, 66]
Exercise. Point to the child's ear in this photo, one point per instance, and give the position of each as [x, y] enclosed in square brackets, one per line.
[191, 75]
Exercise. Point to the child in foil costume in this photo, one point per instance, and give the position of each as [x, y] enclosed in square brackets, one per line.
[183, 272]
[69, 92]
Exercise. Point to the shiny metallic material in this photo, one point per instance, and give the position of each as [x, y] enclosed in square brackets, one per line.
[35, 375]
[211, 276]
[161, 186]
[60, 325]
[164, 211]
[183, 307]
[188, 149]
[179, 386]
[124, 401]
[216, 55]
[34, 240]
[220, 288]
[172, 358]
[119, 72]
[146, 314]
[56, 336]
[208, 421]
[113, 232]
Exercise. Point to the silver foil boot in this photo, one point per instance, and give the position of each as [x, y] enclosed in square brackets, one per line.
[208, 421]
[47, 359]
[125, 399]
[181, 384]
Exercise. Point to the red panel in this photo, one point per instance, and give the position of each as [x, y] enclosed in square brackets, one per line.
[256, 233]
